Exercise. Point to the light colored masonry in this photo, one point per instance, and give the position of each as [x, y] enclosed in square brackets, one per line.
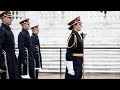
[53, 26]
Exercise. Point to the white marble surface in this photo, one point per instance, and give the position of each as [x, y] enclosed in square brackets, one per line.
[54, 29]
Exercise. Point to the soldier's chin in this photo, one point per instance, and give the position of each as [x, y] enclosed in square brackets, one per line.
[10, 23]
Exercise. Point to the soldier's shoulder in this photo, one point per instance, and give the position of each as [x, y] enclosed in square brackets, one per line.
[72, 40]
[72, 35]
[2, 30]
[21, 33]
[32, 37]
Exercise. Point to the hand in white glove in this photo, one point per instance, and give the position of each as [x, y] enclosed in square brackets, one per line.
[69, 65]
[84, 35]
[40, 70]
[71, 72]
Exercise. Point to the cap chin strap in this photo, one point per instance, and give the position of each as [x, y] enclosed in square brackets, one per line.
[9, 15]
[75, 23]
[25, 23]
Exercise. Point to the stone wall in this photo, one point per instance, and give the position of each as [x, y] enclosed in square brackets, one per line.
[54, 28]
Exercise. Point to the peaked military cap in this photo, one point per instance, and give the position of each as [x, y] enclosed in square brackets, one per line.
[34, 27]
[74, 21]
[25, 21]
[5, 14]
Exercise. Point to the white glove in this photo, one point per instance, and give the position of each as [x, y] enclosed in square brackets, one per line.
[84, 35]
[69, 65]
[39, 69]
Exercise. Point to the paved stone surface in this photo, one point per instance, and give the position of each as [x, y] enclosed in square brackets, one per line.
[87, 76]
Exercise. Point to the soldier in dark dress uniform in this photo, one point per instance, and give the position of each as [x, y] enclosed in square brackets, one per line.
[24, 41]
[74, 52]
[7, 44]
[36, 49]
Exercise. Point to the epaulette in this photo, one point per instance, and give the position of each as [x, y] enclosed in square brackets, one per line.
[75, 41]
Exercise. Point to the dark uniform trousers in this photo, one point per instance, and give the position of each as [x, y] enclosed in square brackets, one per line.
[8, 45]
[35, 41]
[75, 45]
[24, 41]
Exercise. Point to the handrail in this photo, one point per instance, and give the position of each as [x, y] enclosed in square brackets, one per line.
[60, 55]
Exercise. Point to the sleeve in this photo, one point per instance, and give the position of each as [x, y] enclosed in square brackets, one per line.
[34, 47]
[40, 56]
[72, 44]
[21, 48]
[81, 34]
[1, 42]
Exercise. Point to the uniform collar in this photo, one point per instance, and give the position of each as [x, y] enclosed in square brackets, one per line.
[73, 31]
[34, 34]
[5, 26]
[25, 30]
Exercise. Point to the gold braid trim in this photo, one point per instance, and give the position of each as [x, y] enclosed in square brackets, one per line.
[75, 41]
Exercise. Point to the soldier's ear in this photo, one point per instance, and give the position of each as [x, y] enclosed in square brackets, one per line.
[3, 19]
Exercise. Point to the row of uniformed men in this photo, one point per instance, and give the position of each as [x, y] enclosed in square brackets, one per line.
[18, 66]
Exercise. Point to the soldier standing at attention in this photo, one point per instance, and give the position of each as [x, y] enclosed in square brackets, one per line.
[74, 53]
[36, 48]
[7, 44]
[24, 41]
